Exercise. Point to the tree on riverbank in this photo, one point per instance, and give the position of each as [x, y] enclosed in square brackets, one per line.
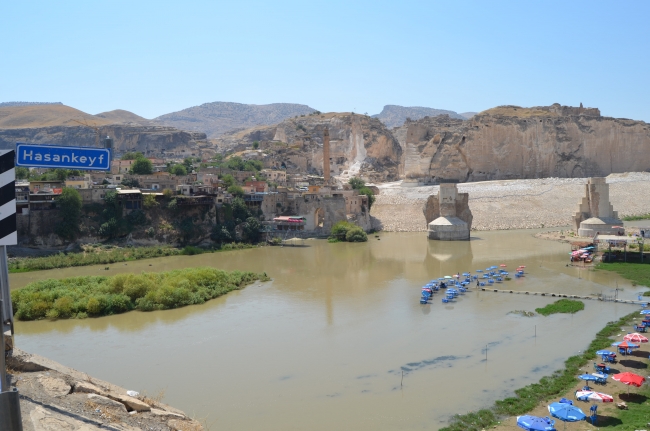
[69, 204]
[360, 185]
[346, 231]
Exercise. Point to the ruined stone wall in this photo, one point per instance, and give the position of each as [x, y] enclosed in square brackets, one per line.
[493, 147]
[432, 209]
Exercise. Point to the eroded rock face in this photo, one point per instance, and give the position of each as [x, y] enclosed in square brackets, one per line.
[512, 143]
[359, 146]
[149, 140]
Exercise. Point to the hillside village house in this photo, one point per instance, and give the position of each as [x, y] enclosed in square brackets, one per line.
[79, 182]
[278, 177]
[46, 186]
[22, 197]
[124, 166]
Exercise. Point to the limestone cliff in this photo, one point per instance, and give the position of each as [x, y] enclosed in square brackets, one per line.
[511, 142]
[359, 145]
[150, 140]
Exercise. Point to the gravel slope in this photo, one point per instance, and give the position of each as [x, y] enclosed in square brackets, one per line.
[513, 204]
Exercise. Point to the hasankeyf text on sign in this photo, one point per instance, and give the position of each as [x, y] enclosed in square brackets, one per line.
[53, 156]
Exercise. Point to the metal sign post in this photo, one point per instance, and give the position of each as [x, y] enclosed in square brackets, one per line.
[10, 418]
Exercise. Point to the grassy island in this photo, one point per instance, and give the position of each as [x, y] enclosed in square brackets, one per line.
[562, 306]
[80, 297]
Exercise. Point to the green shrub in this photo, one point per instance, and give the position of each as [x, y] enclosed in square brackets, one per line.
[190, 250]
[340, 229]
[100, 296]
[356, 234]
[346, 231]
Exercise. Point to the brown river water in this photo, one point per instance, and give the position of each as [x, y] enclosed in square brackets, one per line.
[324, 344]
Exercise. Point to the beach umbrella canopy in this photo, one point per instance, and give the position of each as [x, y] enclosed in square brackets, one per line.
[534, 423]
[566, 412]
[636, 338]
[629, 379]
[503, 265]
[447, 277]
[588, 377]
[605, 353]
[645, 312]
[600, 397]
[625, 345]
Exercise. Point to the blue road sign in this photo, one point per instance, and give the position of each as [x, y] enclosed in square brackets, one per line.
[53, 156]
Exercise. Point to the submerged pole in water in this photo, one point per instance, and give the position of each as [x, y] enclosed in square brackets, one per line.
[486, 346]
[401, 384]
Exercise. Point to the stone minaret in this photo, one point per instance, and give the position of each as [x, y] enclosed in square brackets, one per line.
[326, 155]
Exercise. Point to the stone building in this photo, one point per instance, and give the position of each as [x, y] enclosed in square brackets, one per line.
[448, 215]
[595, 214]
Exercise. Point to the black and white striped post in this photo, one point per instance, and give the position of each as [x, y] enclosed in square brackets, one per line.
[8, 235]
[10, 417]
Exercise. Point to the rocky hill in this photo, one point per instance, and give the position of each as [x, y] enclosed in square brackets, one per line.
[511, 142]
[8, 104]
[395, 115]
[359, 145]
[62, 125]
[120, 116]
[217, 118]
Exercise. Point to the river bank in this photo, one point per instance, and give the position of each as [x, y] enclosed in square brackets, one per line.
[106, 254]
[636, 414]
[54, 397]
[511, 204]
[532, 399]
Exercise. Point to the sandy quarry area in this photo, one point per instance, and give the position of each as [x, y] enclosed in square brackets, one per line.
[511, 204]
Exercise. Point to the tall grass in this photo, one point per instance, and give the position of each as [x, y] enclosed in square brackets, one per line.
[528, 397]
[639, 273]
[99, 257]
[80, 297]
[114, 255]
[636, 217]
[562, 306]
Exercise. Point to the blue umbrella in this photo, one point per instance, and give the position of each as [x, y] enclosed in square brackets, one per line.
[566, 412]
[605, 353]
[645, 312]
[629, 345]
[588, 378]
[534, 423]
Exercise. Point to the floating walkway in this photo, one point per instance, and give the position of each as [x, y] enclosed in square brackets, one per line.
[562, 295]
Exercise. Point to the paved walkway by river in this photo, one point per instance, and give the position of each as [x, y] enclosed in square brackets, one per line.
[511, 204]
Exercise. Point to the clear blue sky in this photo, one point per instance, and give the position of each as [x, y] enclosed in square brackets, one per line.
[155, 57]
